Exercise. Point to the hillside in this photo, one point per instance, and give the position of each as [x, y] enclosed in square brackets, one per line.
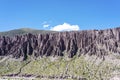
[23, 31]
[75, 55]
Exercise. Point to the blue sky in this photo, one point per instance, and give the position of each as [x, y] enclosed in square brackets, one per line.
[47, 14]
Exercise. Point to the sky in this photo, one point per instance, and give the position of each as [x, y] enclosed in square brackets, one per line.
[59, 15]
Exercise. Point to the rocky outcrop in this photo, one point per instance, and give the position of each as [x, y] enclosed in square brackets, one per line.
[92, 42]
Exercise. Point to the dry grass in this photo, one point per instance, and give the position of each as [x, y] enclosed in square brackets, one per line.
[89, 67]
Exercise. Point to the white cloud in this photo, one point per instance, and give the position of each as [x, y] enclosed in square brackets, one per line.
[46, 25]
[65, 27]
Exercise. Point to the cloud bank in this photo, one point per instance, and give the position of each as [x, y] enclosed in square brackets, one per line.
[65, 27]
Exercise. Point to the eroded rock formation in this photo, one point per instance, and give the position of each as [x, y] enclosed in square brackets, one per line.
[92, 42]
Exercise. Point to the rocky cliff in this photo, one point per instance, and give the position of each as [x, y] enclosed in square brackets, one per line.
[92, 42]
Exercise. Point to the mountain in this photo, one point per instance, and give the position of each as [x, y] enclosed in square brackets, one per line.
[78, 55]
[92, 42]
[23, 31]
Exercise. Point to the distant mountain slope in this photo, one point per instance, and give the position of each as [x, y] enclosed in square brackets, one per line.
[74, 55]
[23, 31]
[92, 42]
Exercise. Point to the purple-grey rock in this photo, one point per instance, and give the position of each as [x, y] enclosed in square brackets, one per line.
[92, 42]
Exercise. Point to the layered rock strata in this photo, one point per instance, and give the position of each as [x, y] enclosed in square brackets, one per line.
[92, 42]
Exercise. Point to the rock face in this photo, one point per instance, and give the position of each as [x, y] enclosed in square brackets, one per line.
[92, 42]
